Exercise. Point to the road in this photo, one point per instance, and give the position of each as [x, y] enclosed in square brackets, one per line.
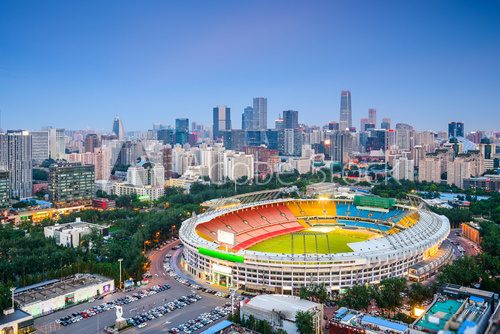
[470, 248]
[97, 323]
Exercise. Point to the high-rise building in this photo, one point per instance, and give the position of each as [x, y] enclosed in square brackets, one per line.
[260, 113]
[91, 142]
[345, 110]
[275, 140]
[16, 157]
[334, 126]
[464, 166]
[71, 183]
[255, 137]
[386, 123]
[403, 169]
[378, 140]
[487, 153]
[455, 129]
[365, 124]
[222, 120]
[404, 136]
[182, 124]
[167, 161]
[118, 129]
[430, 169]
[100, 158]
[247, 119]
[237, 165]
[166, 136]
[181, 131]
[372, 115]
[290, 119]
[4, 188]
[339, 143]
[289, 141]
[146, 174]
[39, 146]
[57, 144]
[279, 123]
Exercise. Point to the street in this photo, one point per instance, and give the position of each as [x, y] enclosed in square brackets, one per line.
[97, 323]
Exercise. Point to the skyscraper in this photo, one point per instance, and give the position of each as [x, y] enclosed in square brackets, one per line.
[279, 123]
[386, 123]
[345, 110]
[15, 156]
[40, 145]
[291, 119]
[181, 130]
[455, 129]
[247, 119]
[260, 113]
[57, 144]
[91, 142]
[372, 116]
[222, 120]
[118, 128]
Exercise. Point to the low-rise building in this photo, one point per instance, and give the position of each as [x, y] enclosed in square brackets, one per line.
[70, 234]
[147, 192]
[489, 182]
[49, 296]
[354, 322]
[458, 310]
[103, 203]
[472, 231]
[280, 311]
[16, 322]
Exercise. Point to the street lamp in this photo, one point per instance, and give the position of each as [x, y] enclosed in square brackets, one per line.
[12, 292]
[120, 283]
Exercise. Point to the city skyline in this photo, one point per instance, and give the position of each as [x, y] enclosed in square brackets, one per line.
[78, 77]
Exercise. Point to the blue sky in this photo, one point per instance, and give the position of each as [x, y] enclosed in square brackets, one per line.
[77, 64]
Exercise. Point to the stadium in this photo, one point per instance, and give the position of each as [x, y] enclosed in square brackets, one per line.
[264, 243]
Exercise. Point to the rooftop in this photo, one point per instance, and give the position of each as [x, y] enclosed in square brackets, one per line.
[374, 324]
[439, 314]
[289, 305]
[78, 224]
[53, 288]
[12, 317]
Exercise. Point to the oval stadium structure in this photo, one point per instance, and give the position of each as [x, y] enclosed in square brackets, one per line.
[280, 245]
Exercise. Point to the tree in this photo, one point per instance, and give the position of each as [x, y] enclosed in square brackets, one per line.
[304, 322]
[357, 297]
[388, 293]
[464, 271]
[418, 293]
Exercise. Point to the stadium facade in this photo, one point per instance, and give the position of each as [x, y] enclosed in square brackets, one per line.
[220, 244]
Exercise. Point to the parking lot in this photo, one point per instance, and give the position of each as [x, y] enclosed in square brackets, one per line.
[106, 306]
[105, 316]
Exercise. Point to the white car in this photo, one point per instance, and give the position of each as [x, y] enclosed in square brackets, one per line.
[144, 324]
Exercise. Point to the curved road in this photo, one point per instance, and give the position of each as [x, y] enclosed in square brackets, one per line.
[97, 323]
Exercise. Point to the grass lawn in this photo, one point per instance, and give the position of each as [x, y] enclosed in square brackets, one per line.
[327, 243]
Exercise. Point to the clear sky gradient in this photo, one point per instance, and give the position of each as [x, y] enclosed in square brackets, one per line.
[77, 64]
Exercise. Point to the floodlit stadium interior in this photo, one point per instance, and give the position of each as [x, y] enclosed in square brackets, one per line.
[279, 245]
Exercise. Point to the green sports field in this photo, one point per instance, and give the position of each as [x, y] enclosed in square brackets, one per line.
[313, 242]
